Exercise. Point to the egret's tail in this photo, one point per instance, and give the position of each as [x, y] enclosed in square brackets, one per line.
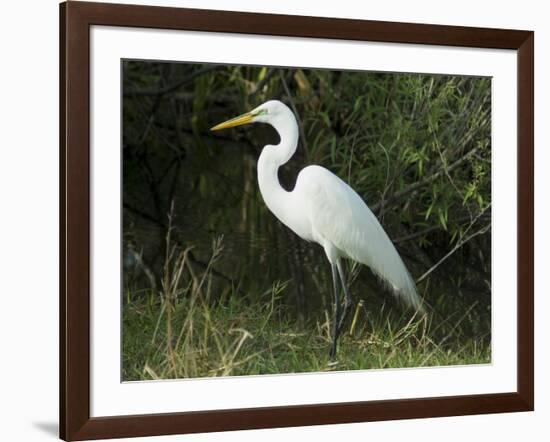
[392, 271]
[407, 292]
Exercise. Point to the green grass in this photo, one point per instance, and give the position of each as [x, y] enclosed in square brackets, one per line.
[192, 331]
[195, 337]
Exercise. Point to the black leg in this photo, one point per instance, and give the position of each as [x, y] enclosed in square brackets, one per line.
[348, 302]
[336, 313]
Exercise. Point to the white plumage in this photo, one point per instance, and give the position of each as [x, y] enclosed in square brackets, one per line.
[324, 209]
[346, 227]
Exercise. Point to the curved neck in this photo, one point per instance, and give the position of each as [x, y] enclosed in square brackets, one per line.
[274, 156]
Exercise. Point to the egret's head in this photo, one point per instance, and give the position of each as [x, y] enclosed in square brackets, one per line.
[269, 112]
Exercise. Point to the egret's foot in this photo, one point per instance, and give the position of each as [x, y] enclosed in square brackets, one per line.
[332, 364]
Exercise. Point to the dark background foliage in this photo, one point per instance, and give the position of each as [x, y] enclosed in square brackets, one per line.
[415, 147]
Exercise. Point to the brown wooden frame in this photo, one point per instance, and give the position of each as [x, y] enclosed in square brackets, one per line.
[75, 21]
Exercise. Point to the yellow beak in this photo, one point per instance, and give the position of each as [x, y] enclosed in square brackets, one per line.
[237, 121]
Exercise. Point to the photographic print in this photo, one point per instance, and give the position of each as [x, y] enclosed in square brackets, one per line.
[289, 220]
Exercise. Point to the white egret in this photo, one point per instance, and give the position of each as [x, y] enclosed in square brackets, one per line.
[324, 209]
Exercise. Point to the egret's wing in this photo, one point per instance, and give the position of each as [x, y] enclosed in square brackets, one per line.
[340, 216]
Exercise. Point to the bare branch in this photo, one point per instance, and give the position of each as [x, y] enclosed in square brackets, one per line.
[460, 243]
